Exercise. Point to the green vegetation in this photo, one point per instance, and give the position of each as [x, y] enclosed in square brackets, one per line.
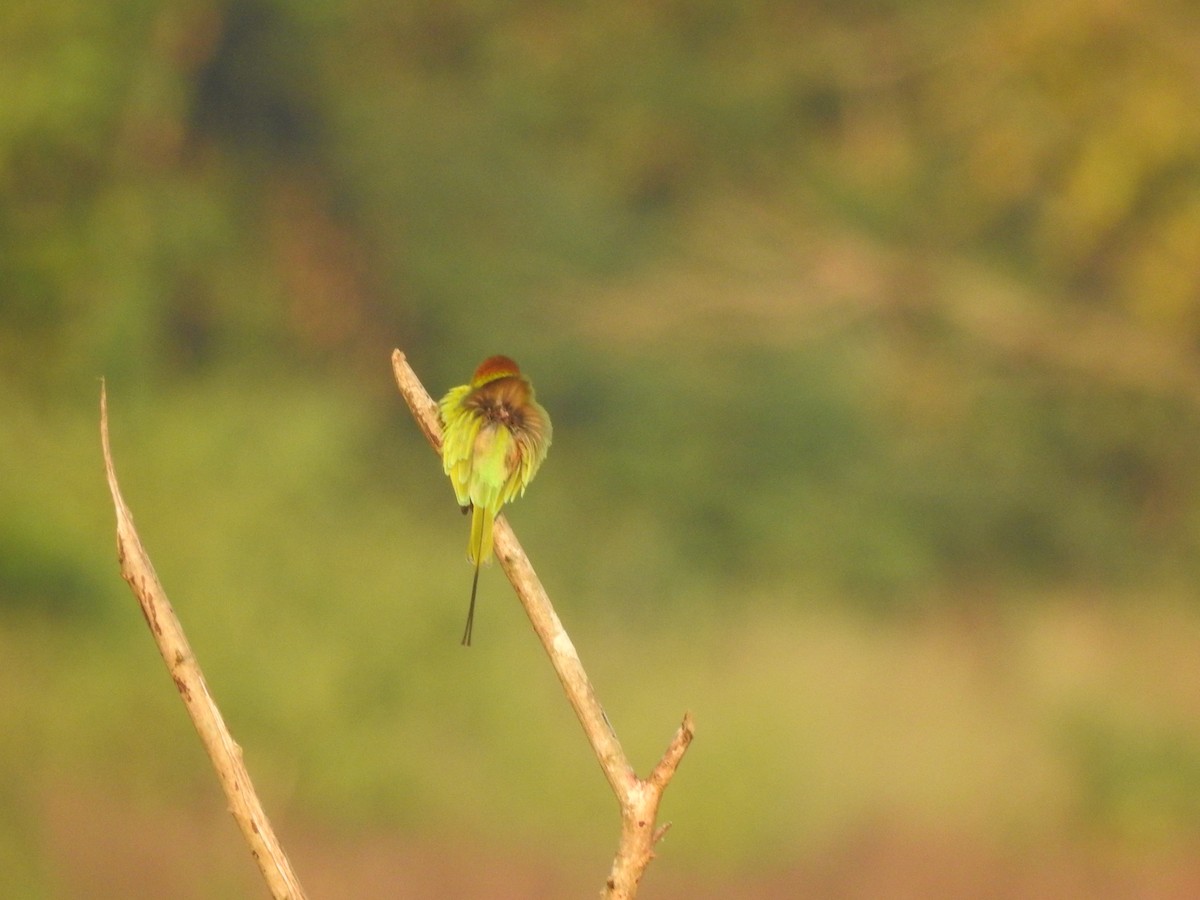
[869, 333]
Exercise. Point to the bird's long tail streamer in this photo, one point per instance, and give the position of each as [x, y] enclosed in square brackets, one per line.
[477, 551]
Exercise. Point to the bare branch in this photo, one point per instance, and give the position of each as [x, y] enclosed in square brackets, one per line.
[638, 799]
[424, 408]
[184, 669]
[665, 770]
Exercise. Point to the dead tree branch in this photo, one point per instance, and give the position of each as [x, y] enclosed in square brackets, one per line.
[184, 669]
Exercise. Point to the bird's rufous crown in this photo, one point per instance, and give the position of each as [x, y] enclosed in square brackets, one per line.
[494, 367]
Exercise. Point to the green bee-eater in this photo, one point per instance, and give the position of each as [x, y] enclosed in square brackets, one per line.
[495, 438]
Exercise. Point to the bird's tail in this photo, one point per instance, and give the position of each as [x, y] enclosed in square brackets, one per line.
[479, 550]
[466, 638]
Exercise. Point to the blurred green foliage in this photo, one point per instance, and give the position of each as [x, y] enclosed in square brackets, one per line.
[883, 306]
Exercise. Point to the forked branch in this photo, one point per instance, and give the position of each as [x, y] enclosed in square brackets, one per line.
[638, 798]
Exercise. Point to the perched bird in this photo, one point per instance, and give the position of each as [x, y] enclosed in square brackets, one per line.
[495, 438]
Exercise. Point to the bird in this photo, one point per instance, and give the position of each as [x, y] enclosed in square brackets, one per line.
[495, 438]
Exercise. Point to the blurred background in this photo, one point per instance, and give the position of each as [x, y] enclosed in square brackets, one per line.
[871, 336]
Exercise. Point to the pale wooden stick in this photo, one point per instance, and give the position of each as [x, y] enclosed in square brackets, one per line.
[638, 798]
[224, 752]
